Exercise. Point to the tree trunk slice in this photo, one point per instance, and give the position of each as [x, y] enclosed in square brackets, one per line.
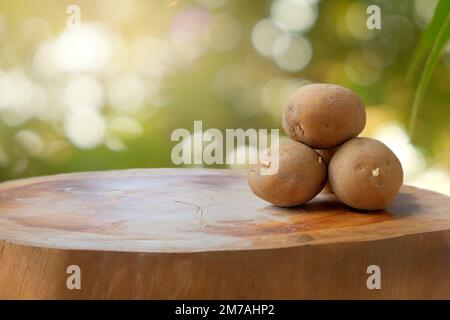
[193, 234]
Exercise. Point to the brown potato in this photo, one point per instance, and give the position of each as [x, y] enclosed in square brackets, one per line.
[323, 116]
[326, 155]
[301, 175]
[365, 174]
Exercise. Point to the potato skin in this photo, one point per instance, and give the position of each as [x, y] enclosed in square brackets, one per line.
[326, 155]
[300, 177]
[365, 174]
[323, 115]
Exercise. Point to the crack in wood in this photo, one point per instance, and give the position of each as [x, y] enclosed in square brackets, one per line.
[199, 209]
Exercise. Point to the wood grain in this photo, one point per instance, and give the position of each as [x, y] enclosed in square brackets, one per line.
[180, 233]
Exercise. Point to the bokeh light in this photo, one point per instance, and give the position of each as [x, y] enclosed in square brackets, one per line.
[292, 53]
[294, 15]
[108, 93]
[423, 10]
[126, 92]
[264, 35]
[83, 49]
[83, 92]
[85, 128]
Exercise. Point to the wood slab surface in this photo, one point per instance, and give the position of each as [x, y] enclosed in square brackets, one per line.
[185, 223]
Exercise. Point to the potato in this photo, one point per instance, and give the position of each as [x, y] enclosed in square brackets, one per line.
[301, 175]
[365, 174]
[323, 116]
[326, 155]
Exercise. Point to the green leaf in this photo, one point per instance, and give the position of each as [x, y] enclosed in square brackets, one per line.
[441, 13]
[441, 40]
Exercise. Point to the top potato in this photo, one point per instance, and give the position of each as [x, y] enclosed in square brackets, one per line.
[323, 116]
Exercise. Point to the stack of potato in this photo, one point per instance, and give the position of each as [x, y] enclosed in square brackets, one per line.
[323, 121]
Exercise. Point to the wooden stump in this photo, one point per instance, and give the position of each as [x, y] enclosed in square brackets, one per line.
[180, 233]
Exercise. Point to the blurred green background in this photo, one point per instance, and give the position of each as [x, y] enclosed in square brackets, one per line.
[109, 94]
